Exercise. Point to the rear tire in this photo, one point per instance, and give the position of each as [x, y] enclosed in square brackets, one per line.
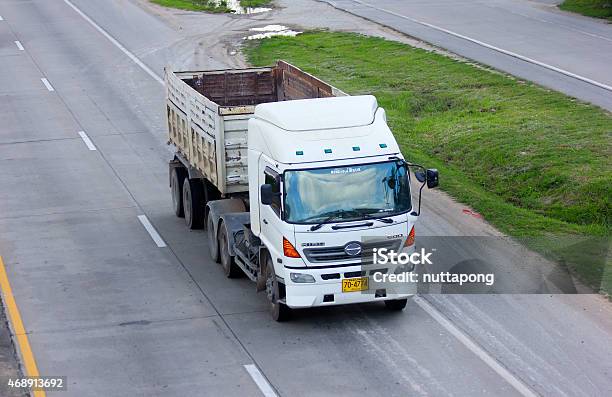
[230, 268]
[396, 305]
[193, 203]
[177, 177]
[279, 311]
[213, 243]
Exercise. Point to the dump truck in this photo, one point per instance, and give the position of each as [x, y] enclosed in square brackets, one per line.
[296, 182]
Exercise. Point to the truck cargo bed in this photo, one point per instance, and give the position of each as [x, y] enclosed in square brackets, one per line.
[208, 113]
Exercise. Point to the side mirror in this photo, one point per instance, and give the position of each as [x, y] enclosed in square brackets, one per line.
[432, 178]
[420, 176]
[266, 194]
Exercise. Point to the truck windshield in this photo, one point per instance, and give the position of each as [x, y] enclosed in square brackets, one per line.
[347, 193]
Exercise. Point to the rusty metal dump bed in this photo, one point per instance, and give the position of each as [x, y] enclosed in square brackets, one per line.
[208, 113]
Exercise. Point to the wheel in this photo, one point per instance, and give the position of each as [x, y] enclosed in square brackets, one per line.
[177, 177]
[193, 206]
[213, 243]
[279, 311]
[230, 268]
[396, 304]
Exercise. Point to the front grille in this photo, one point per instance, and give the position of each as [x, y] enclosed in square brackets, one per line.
[337, 253]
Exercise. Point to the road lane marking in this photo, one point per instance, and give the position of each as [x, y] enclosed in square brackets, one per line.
[87, 141]
[491, 47]
[551, 22]
[18, 44]
[47, 84]
[515, 382]
[151, 230]
[14, 317]
[1, 19]
[116, 43]
[260, 381]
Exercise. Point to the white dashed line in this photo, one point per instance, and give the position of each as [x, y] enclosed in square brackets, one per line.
[260, 381]
[18, 44]
[87, 141]
[151, 230]
[116, 43]
[491, 47]
[515, 382]
[1, 19]
[47, 84]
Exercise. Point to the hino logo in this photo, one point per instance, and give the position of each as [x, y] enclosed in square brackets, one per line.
[353, 249]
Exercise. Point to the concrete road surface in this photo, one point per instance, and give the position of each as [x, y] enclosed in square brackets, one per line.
[83, 164]
[530, 39]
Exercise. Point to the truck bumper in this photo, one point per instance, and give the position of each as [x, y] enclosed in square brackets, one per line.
[330, 294]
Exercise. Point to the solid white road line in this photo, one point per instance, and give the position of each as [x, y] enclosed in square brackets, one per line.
[47, 84]
[515, 382]
[260, 381]
[18, 44]
[491, 47]
[87, 141]
[151, 230]
[116, 43]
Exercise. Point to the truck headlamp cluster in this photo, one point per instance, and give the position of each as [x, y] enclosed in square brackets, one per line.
[301, 278]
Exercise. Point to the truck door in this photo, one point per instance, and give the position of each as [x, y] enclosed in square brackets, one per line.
[270, 215]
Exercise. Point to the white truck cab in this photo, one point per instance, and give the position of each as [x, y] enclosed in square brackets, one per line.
[333, 167]
[327, 183]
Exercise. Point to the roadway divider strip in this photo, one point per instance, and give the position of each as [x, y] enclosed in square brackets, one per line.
[47, 84]
[151, 230]
[87, 141]
[260, 381]
[14, 318]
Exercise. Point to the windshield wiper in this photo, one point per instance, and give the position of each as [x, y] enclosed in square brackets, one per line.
[367, 214]
[333, 215]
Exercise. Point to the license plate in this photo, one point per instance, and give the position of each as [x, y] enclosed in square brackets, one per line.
[355, 284]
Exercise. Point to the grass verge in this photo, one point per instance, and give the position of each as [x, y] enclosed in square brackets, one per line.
[590, 8]
[534, 162]
[254, 3]
[195, 5]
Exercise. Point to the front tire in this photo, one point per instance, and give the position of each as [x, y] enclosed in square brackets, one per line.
[279, 311]
[230, 268]
[193, 204]
[396, 305]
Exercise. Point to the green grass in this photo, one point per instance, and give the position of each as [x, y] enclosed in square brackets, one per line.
[534, 162]
[254, 3]
[195, 5]
[590, 8]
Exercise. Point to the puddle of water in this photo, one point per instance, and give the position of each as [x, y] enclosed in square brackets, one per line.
[235, 6]
[271, 31]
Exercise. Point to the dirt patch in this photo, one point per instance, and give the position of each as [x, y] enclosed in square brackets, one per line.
[212, 41]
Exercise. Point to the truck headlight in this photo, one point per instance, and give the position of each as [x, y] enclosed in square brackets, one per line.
[301, 278]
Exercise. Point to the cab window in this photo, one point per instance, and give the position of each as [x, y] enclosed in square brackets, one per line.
[274, 180]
